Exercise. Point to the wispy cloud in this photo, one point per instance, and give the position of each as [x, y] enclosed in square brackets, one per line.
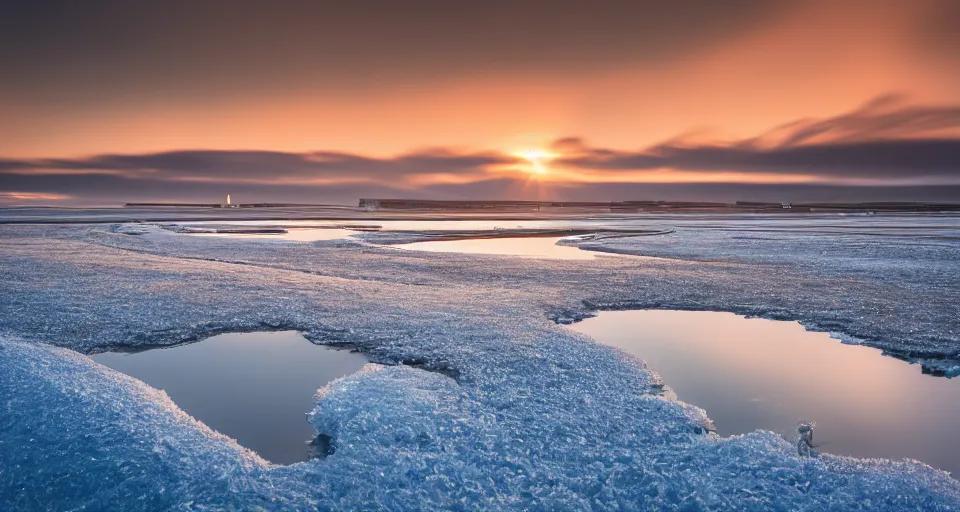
[270, 167]
[884, 143]
[883, 118]
[7, 197]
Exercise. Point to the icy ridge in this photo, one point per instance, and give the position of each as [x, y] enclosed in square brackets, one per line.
[411, 439]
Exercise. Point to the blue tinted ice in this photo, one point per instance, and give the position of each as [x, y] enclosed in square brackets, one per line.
[481, 400]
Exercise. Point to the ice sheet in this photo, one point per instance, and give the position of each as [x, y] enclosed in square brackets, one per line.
[495, 405]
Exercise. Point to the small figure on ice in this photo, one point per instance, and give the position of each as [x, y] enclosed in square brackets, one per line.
[805, 446]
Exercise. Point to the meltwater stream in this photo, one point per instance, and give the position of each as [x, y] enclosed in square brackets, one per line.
[753, 374]
[255, 387]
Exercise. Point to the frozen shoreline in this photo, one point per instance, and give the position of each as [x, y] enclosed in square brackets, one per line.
[479, 439]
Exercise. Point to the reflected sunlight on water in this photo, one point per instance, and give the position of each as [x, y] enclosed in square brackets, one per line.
[545, 247]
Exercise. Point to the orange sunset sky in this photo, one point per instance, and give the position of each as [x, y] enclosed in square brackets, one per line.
[103, 102]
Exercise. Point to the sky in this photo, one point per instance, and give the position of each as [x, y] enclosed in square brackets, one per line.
[103, 102]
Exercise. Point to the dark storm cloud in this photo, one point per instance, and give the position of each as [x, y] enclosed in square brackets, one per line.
[257, 166]
[884, 140]
[102, 48]
[731, 192]
[113, 189]
[880, 160]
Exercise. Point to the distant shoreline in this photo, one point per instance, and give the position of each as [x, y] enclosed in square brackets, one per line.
[495, 206]
[438, 210]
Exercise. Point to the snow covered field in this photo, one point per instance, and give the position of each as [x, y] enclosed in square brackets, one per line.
[480, 399]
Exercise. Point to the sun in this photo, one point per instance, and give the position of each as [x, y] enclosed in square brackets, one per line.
[537, 158]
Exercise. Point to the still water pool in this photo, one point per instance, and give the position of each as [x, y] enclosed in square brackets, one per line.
[292, 235]
[753, 374]
[254, 387]
[528, 247]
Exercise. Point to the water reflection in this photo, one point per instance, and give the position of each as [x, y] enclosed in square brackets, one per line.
[254, 387]
[761, 374]
[451, 224]
[544, 247]
[292, 234]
